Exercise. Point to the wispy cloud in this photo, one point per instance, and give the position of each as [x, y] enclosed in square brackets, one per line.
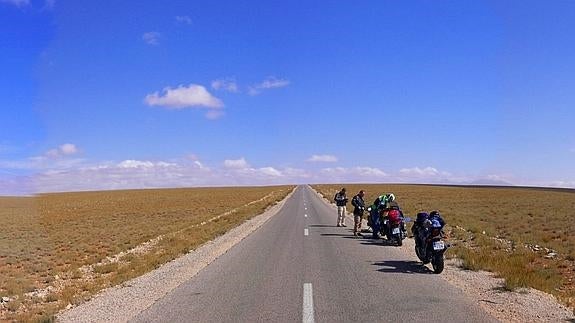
[151, 38]
[158, 174]
[191, 96]
[62, 151]
[236, 163]
[350, 174]
[189, 172]
[491, 180]
[421, 172]
[184, 20]
[17, 3]
[226, 84]
[322, 158]
[269, 83]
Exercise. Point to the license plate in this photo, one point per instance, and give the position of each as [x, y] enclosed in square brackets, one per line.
[395, 231]
[438, 245]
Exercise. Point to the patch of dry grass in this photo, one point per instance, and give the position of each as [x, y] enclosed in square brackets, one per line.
[63, 241]
[491, 227]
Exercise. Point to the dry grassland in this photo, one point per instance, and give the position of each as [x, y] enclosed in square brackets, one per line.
[60, 249]
[526, 235]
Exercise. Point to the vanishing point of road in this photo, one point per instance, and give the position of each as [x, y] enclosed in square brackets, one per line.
[299, 267]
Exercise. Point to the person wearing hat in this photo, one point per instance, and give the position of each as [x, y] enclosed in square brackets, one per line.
[340, 200]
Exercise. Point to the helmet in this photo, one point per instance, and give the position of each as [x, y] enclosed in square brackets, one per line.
[434, 213]
[390, 197]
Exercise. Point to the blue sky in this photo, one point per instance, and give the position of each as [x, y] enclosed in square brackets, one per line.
[133, 94]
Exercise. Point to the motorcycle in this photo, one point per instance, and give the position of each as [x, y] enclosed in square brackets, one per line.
[394, 226]
[430, 245]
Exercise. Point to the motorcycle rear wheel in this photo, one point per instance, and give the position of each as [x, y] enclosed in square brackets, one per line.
[419, 255]
[437, 263]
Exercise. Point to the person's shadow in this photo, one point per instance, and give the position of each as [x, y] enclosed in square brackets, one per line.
[402, 266]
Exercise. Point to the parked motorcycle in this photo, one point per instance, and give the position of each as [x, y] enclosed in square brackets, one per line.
[430, 245]
[394, 226]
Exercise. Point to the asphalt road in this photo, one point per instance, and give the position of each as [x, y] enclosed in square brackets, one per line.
[300, 267]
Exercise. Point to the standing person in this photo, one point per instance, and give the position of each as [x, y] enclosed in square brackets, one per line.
[359, 206]
[340, 200]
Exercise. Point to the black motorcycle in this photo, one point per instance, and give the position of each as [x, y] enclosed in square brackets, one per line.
[430, 245]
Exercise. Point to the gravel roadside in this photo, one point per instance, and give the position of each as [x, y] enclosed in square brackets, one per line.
[123, 302]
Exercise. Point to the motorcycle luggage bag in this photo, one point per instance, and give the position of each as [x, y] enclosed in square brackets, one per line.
[394, 216]
[421, 217]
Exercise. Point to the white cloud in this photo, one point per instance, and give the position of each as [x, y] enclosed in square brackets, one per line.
[323, 158]
[143, 164]
[269, 83]
[564, 184]
[416, 171]
[351, 174]
[184, 20]
[17, 3]
[491, 180]
[227, 84]
[44, 174]
[151, 38]
[270, 171]
[236, 163]
[157, 174]
[62, 151]
[192, 96]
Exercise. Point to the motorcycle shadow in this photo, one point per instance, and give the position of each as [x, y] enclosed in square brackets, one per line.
[343, 235]
[368, 240]
[403, 266]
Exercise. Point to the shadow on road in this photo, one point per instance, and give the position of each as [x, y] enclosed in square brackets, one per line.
[343, 235]
[368, 240]
[321, 226]
[403, 266]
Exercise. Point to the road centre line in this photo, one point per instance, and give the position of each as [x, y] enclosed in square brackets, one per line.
[305, 215]
[307, 316]
[305, 232]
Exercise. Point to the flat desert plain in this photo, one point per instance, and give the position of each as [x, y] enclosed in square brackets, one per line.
[60, 249]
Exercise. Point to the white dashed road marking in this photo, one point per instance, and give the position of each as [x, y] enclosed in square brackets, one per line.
[307, 303]
[305, 232]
